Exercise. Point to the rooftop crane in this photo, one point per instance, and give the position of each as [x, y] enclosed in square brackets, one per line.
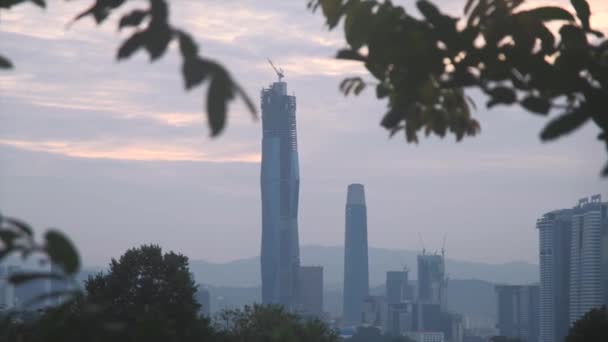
[279, 71]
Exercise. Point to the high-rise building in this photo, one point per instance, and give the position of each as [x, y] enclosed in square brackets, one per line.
[397, 287]
[375, 312]
[311, 291]
[518, 311]
[432, 282]
[280, 183]
[588, 264]
[555, 234]
[356, 273]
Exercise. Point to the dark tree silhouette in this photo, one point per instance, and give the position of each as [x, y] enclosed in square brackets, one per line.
[146, 295]
[423, 65]
[592, 327]
[261, 323]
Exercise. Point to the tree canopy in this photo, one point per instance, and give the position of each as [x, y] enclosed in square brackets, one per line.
[423, 65]
[592, 327]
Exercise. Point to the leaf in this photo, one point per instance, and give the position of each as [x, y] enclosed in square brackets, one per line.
[187, 45]
[382, 91]
[358, 23]
[5, 63]
[131, 45]
[133, 19]
[548, 13]
[248, 102]
[564, 124]
[352, 83]
[156, 40]
[332, 10]
[351, 55]
[7, 237]
[539, 105]
[583, 12]
[219, 93]
[20, 278]
[194, 71]
[24, 227]
[62, 252]
[39, 3]
[502, 95]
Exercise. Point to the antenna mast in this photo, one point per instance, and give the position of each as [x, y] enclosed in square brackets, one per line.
[279, 71]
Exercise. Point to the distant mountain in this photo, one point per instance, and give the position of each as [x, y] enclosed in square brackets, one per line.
[246, 272]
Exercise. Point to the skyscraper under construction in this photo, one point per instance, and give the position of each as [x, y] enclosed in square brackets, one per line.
[280, 182]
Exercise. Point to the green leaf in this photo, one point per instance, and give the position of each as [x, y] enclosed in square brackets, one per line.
[332, 10]
[131, 45]
[358, 23]
[583, 12]
[133, 19]
[62, 252]
[219, 93]
[20, 278]
[548, 13]
[564, 124]
[5, 63]
[539, 105]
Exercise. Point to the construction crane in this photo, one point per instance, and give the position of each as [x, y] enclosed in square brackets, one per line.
[421, 243]
[443, 246]
[279, 71]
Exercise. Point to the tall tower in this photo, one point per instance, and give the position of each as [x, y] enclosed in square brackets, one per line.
[280, 183]
[555, 234]
[356, 274]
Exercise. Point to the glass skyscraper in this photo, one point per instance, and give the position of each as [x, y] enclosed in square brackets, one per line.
[356, 273]
[280, 183]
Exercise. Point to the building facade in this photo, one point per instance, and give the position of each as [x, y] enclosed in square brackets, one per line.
[311, 291]
[397, 287]
[356, 272]
[432, 283]
[280, 183]
[588, 265]
[518, 311]
[555, 234]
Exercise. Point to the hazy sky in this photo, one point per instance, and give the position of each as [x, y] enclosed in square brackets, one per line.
[117, 154]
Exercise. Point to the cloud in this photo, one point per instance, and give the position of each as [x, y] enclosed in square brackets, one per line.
[117, 150]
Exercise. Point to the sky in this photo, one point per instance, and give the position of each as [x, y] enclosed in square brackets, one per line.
[118, 154]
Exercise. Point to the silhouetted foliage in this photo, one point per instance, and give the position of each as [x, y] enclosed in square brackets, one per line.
[504, 339]
[373, 334]
[146, 295]
[260, 323]
[153, 32]
[422, 65]
[592, 327]
[17, 237]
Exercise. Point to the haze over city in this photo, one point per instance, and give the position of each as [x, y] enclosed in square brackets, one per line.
[116, 154]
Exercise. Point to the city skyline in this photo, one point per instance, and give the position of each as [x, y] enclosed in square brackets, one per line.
[130, 135]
